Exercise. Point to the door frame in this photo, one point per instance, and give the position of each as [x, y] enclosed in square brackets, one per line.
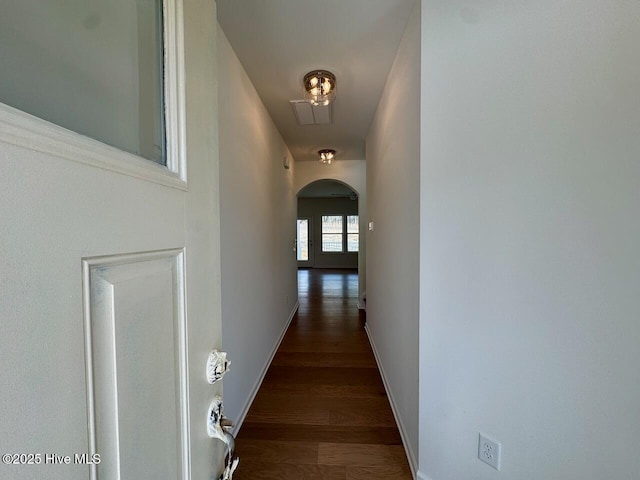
[310, 262]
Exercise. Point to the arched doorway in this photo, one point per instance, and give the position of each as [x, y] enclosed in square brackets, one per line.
[327, 229]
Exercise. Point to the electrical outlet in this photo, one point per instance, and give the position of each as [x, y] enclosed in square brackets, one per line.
[489, 451]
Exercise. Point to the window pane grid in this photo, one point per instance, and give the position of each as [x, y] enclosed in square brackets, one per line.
[332, 226]
[353, 237]
[340, 233]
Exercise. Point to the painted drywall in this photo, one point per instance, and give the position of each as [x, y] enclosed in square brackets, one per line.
[530, 270]
[314, 209]
[353, 173]
[257, 211]
[393, 173]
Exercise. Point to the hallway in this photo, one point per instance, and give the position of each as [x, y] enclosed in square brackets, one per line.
[322, 412]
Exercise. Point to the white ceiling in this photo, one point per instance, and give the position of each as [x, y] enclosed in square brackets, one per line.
[279, 41]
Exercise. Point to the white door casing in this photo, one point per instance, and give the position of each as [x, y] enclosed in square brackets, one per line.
[110, 288]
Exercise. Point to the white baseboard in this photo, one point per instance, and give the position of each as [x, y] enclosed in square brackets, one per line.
[258, 384]
[423, 476]
[403, 433]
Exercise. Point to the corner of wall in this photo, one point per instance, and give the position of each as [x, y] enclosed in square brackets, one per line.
[411, 457]
[393, 194]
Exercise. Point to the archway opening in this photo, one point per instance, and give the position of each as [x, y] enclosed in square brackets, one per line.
[328, 233]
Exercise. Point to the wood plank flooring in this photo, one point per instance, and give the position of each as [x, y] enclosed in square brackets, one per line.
[322, 412]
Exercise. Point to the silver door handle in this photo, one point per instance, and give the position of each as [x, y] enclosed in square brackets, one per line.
[229, 439]
[231, 462]
[219, 427]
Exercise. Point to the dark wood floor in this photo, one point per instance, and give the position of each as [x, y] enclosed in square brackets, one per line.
[322, 412]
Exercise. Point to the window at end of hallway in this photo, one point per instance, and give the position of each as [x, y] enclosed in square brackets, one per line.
[353, 233]
[332, 226]
[338, 228]
[302, 240]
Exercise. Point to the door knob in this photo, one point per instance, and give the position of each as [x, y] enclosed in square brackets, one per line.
[219, 427]
[217, 366]
[229, 469]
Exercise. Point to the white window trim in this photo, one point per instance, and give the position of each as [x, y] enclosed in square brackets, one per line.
[24, 130]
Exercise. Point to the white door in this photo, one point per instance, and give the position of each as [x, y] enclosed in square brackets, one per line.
[109, 279]
[304, 242]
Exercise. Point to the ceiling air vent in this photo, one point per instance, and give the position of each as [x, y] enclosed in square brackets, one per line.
[306, 114]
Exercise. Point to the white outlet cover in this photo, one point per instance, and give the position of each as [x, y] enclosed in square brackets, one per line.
[489, 451]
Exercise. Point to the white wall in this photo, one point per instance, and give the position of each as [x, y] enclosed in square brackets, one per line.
[353, 173]
[257, 211]
[530, 272]
[393, 168]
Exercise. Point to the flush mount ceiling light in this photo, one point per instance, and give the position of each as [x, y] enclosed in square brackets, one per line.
[326, 156]
[319, 87]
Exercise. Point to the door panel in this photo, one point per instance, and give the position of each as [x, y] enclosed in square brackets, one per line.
[68, 202]
[136, 359]
[55, 213]
[304, 242]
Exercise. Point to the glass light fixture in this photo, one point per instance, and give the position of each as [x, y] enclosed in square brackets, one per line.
[326, 156]
[319, 87]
